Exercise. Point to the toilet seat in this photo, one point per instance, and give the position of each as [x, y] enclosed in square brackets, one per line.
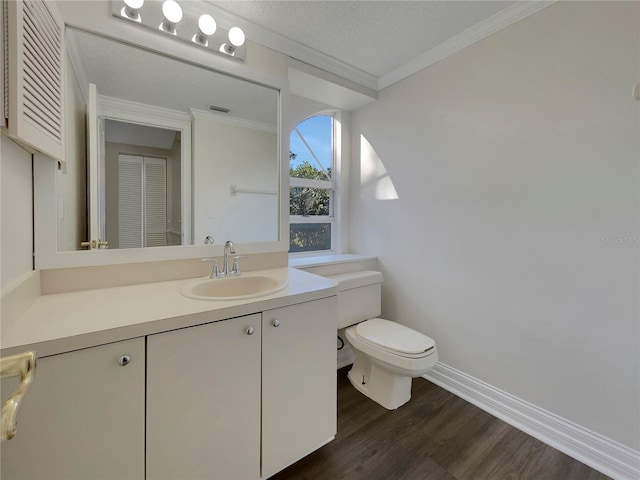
[394, 338]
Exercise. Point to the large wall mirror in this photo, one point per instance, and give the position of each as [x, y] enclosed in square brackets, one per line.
[161, 152]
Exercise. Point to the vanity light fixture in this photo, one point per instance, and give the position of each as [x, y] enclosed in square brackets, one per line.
[186, 23]
[172, 15]
[236, 39]
[130, 9]
[206, 27]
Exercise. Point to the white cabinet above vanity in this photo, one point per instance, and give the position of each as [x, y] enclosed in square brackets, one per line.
[209, 389]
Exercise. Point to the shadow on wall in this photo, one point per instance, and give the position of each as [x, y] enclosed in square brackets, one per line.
[375, 182]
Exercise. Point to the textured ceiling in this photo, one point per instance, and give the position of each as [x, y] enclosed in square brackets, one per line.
[376, 37]
[123, 71]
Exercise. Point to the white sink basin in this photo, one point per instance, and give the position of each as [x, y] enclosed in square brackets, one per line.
[234, 288]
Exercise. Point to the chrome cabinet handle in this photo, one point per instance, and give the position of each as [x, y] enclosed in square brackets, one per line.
[276, 323]
[124, 360]
[250, 331]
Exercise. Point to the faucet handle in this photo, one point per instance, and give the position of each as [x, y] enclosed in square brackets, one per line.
[236, 265]
[215, 273]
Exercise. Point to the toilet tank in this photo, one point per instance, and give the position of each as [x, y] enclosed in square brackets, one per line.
[358, 296]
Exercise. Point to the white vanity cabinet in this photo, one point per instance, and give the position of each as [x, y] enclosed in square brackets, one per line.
[82, 418]
[298, 381]
[233, 399]
[203, 401]
[225, 397]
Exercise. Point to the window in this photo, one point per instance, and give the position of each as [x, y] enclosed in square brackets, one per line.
[312, 185]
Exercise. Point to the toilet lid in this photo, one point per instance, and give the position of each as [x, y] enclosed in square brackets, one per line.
[394, 337]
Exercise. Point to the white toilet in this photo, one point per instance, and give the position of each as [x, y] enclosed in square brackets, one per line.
[387, 355]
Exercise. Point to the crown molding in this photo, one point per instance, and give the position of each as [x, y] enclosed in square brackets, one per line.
[233, 121]
[298, 51]
[126, 109]
[477, 32]
[291, 48]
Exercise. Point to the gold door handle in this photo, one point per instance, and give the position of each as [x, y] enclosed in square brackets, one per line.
[91, 244]
[24, 365]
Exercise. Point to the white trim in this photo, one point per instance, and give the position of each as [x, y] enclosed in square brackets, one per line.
[144, 114]
[311, 183]
[480, 30]
[300, 219]
[477, 32]
[124, 109]
[330, 185]
[198, 114]
[339, 189]
[597, 451]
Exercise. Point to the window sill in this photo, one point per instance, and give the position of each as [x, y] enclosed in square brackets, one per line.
[333, 264]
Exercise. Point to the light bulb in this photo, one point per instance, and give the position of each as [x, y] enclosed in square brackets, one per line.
[206, 27]
[172, 11]
[172, 15]
[236, 36]
[130, 9]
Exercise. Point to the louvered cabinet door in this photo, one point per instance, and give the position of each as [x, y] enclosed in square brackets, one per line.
[155, 202]
[34, 75]
[142, 201]
[130, 202]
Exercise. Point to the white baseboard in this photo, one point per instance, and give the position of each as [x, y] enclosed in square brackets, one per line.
[599, 452]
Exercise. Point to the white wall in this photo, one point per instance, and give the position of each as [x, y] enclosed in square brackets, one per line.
[16, 204]
[223, 155]
[515, 165]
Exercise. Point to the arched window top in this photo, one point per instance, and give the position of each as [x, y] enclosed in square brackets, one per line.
[311, 148]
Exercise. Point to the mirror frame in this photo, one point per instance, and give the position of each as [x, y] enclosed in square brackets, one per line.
[95, 17]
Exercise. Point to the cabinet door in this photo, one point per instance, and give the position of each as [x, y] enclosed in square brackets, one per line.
[82, 417]
[35, 54]
[203, 402]
[298, 381]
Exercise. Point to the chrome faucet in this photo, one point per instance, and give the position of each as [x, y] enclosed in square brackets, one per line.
[228, 249]
[226, 271]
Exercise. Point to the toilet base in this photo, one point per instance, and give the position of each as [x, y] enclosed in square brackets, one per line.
[387, 389]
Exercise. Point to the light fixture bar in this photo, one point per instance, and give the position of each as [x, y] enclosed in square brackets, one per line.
[176, 19]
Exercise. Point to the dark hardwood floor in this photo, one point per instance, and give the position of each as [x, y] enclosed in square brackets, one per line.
[436, 436]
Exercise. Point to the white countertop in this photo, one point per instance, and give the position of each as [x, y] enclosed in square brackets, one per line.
[63, 322]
